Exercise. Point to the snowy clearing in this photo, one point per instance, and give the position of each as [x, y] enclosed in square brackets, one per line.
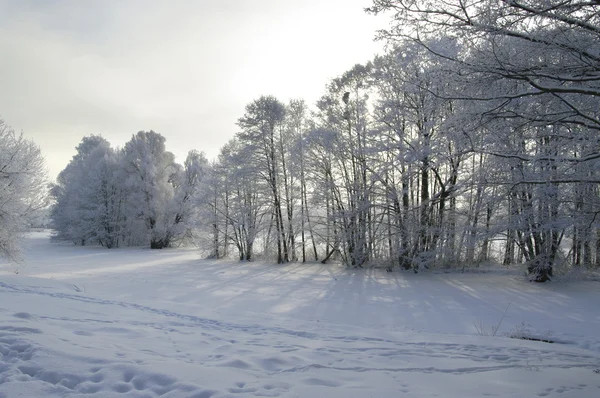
[91, 322]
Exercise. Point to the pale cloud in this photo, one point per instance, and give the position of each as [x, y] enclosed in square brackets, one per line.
[185, 69]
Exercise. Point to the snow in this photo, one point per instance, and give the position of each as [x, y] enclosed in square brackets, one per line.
[91, 322]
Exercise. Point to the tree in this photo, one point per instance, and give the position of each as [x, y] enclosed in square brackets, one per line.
[343, 115]
[298, 124]
[149, 169]
[245, 200]
[23, 188]
[262, 126]
[188, 183]
[212, 210]
[89, 197]
[418, 153]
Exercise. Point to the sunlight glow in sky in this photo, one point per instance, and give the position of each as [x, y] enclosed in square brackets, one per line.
[184, 69]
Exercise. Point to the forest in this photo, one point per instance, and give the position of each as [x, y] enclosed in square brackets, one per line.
[473, 138]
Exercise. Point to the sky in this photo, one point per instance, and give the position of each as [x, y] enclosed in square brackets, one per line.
[185, 69]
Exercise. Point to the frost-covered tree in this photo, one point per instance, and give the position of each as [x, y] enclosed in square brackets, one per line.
[23, 188]
[188, 182]
[88, 196]
[150, 172]
[298, 124]
[239, 201]
[418, 157]
[262, 127]
[343, 116]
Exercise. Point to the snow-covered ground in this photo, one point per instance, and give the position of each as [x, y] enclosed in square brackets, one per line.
[91, 322]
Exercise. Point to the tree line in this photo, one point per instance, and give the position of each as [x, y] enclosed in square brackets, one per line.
[473, 137]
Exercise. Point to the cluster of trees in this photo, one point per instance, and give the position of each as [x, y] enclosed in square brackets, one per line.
[474, 136]
[23, 188]
[526, 74]
[137, 195]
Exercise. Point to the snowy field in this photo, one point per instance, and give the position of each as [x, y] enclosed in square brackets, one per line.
[91, 322]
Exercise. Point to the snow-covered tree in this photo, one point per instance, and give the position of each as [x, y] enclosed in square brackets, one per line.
[23, 188]
[262, 126]
[149, 176]
[189, 182]
[88, 196]
[239, 200]
[343, 116]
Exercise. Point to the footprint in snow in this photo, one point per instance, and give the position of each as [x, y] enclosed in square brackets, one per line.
[23, 315]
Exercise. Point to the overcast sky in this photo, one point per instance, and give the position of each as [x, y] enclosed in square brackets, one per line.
[185, 69]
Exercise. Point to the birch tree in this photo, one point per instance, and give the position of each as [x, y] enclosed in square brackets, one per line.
[261, 133]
